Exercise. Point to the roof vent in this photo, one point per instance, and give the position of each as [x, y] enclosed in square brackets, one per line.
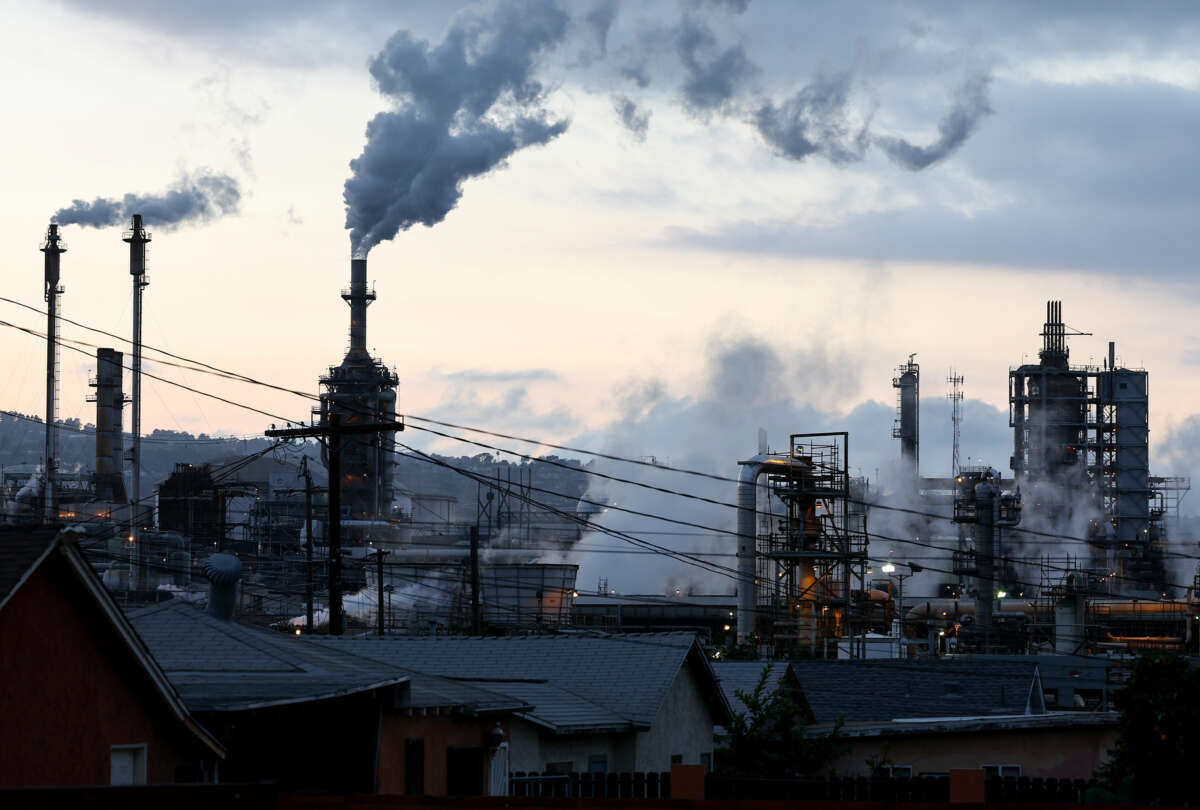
[223, 572]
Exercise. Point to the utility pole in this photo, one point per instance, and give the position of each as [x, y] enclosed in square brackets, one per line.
[379, 586]
[333, 430]
[308, 551]
[476, 619]
[220, 518]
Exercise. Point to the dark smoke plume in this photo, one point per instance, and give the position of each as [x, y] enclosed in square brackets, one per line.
[637, 121]
[814, 121]
[462, 108]
[970, 106]
[195, 198]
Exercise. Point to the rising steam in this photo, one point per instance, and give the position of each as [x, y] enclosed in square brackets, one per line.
[461, 109]
[195, 198]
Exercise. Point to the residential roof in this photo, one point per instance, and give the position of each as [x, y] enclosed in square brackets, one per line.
[735, 676]
[887, 689]
[966, 725]
[221, 665]
[23, 550]
[227, 666]
[576, 681]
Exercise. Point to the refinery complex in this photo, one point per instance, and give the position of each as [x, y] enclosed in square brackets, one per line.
[1061, 548]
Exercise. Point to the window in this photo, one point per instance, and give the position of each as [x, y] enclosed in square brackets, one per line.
[1001, 771]
[706, 760]
[127, 765]
[598, 763]
[676, 759]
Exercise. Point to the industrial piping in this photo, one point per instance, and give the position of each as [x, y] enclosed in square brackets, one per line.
[747, 511]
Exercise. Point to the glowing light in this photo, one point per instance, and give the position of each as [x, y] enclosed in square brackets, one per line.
[1001, 594]
[726, 628]
[888, 568]
[297, 631]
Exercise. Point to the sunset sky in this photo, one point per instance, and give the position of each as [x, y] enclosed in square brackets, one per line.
[640, 285]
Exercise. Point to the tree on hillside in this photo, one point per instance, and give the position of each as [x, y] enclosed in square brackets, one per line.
[1158, 738]
[769, 739]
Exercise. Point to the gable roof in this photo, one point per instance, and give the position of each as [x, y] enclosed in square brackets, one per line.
[22, 552]
[575, 681]
[891, 689]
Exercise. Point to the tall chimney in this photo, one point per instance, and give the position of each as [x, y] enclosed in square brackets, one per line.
[110, 441]
[359, 298]
[137, 238]
[53, 248]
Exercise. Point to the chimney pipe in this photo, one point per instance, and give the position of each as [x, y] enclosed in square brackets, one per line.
[110, 442]
[359, 298]
[223, 572]
[53, 248]
[137, 238]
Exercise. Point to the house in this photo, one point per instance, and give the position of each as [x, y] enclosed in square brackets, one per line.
[599, 702]
[914, 718]
[83, 701]
[318, 717]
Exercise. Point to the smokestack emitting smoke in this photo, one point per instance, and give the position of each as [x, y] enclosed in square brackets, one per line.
[462, 108]
[198, 197]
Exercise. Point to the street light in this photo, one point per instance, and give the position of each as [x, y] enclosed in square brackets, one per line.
[890, 568]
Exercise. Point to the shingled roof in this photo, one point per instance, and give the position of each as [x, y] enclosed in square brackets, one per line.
[576, 682]
[221, 665]
[882, 690]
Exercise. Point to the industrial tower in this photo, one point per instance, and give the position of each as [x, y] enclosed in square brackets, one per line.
[1081, 450]
[362, 390]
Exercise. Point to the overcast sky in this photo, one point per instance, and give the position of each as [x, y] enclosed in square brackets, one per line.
[666, 221]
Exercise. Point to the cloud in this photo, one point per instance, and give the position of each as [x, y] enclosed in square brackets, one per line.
[197, 198]
[462, 108]
[636, 120]
[814, 121]
[480, 376]
[971, 105]
[714, 75]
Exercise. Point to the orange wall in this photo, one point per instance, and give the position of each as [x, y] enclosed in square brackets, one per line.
[70, 690]
[1072, 753]
[440, 732]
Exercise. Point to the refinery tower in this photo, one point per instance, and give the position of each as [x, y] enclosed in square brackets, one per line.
[362, 390]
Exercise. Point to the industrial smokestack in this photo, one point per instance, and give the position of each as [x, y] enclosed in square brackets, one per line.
[110, 441]
[137, 238]
[53, 248]
[359, 298]
[223, 572]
